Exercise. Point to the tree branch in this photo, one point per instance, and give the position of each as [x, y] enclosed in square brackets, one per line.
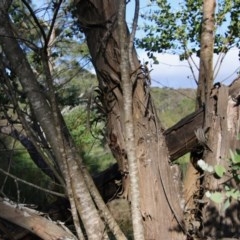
[33, 222]
[126, 83]
[56, 10]
[36, 20]
[31, 184]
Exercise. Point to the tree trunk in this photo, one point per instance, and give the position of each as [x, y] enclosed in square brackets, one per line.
[180, 139]
[223, 137]
[33, 221]
[127, 88]
[222, 120]
[205, 80]
[192, 184]
[160, 209]
[54, 128]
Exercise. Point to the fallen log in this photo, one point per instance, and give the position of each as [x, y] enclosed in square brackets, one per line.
[33, 221]
[181, 138]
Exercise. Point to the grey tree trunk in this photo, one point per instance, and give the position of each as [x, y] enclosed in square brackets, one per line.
[51, 122]
[127, 89]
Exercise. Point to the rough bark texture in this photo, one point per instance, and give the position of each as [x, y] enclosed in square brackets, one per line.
[181, 138]
[223, 137]
[222, 119]
[192, 188]
[30, 220]
[205, 80]
[157, 188]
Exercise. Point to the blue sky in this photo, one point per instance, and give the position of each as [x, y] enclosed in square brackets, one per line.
[170, 72]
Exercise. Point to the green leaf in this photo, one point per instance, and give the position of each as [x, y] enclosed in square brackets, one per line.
[220, 170]
[234, 193]
[226, 204]
[232, 156]
[227, 188]
[217, 197]
[235, 157]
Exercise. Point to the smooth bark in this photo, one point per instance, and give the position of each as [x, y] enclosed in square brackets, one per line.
[56, 133]
[205, 80]
[127, 88]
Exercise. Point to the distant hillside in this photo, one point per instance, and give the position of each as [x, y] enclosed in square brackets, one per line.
[173, 104]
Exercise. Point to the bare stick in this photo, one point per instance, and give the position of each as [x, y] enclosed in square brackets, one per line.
[32, 185]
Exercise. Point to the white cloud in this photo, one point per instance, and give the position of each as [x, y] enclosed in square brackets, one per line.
[171, 72]
[230, 67]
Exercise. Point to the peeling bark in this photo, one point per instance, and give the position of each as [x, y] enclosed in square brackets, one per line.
[222, 138]
[157, 188]
[33, 222]
[193, 189]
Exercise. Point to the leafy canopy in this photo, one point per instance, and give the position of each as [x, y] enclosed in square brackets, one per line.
[175, 27]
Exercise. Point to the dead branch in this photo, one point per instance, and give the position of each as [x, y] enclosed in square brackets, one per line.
[33, 221]
[17, 179]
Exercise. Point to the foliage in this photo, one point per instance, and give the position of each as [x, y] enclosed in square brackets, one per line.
[78, 91]
[173, 104]
[88, 135]
[230, 190]
[71, 79]
[16, 161]
[66, 62]
[177, 30]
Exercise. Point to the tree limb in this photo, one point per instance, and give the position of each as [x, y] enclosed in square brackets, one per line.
[31, 184]
[33, 222]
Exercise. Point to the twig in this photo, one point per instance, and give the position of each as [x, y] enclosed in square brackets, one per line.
[32, 185]
[18, 191]
[190, 64]
[35, 20]
[132, 35]
[53, 22]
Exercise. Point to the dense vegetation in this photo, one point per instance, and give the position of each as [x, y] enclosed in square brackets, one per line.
[173, 104]
[87, 131]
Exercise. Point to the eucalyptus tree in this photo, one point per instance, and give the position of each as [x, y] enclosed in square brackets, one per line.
[38, 81]
[203, 28]
[32, 60]
[133, 130]
[175, 28]
[158, 192]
